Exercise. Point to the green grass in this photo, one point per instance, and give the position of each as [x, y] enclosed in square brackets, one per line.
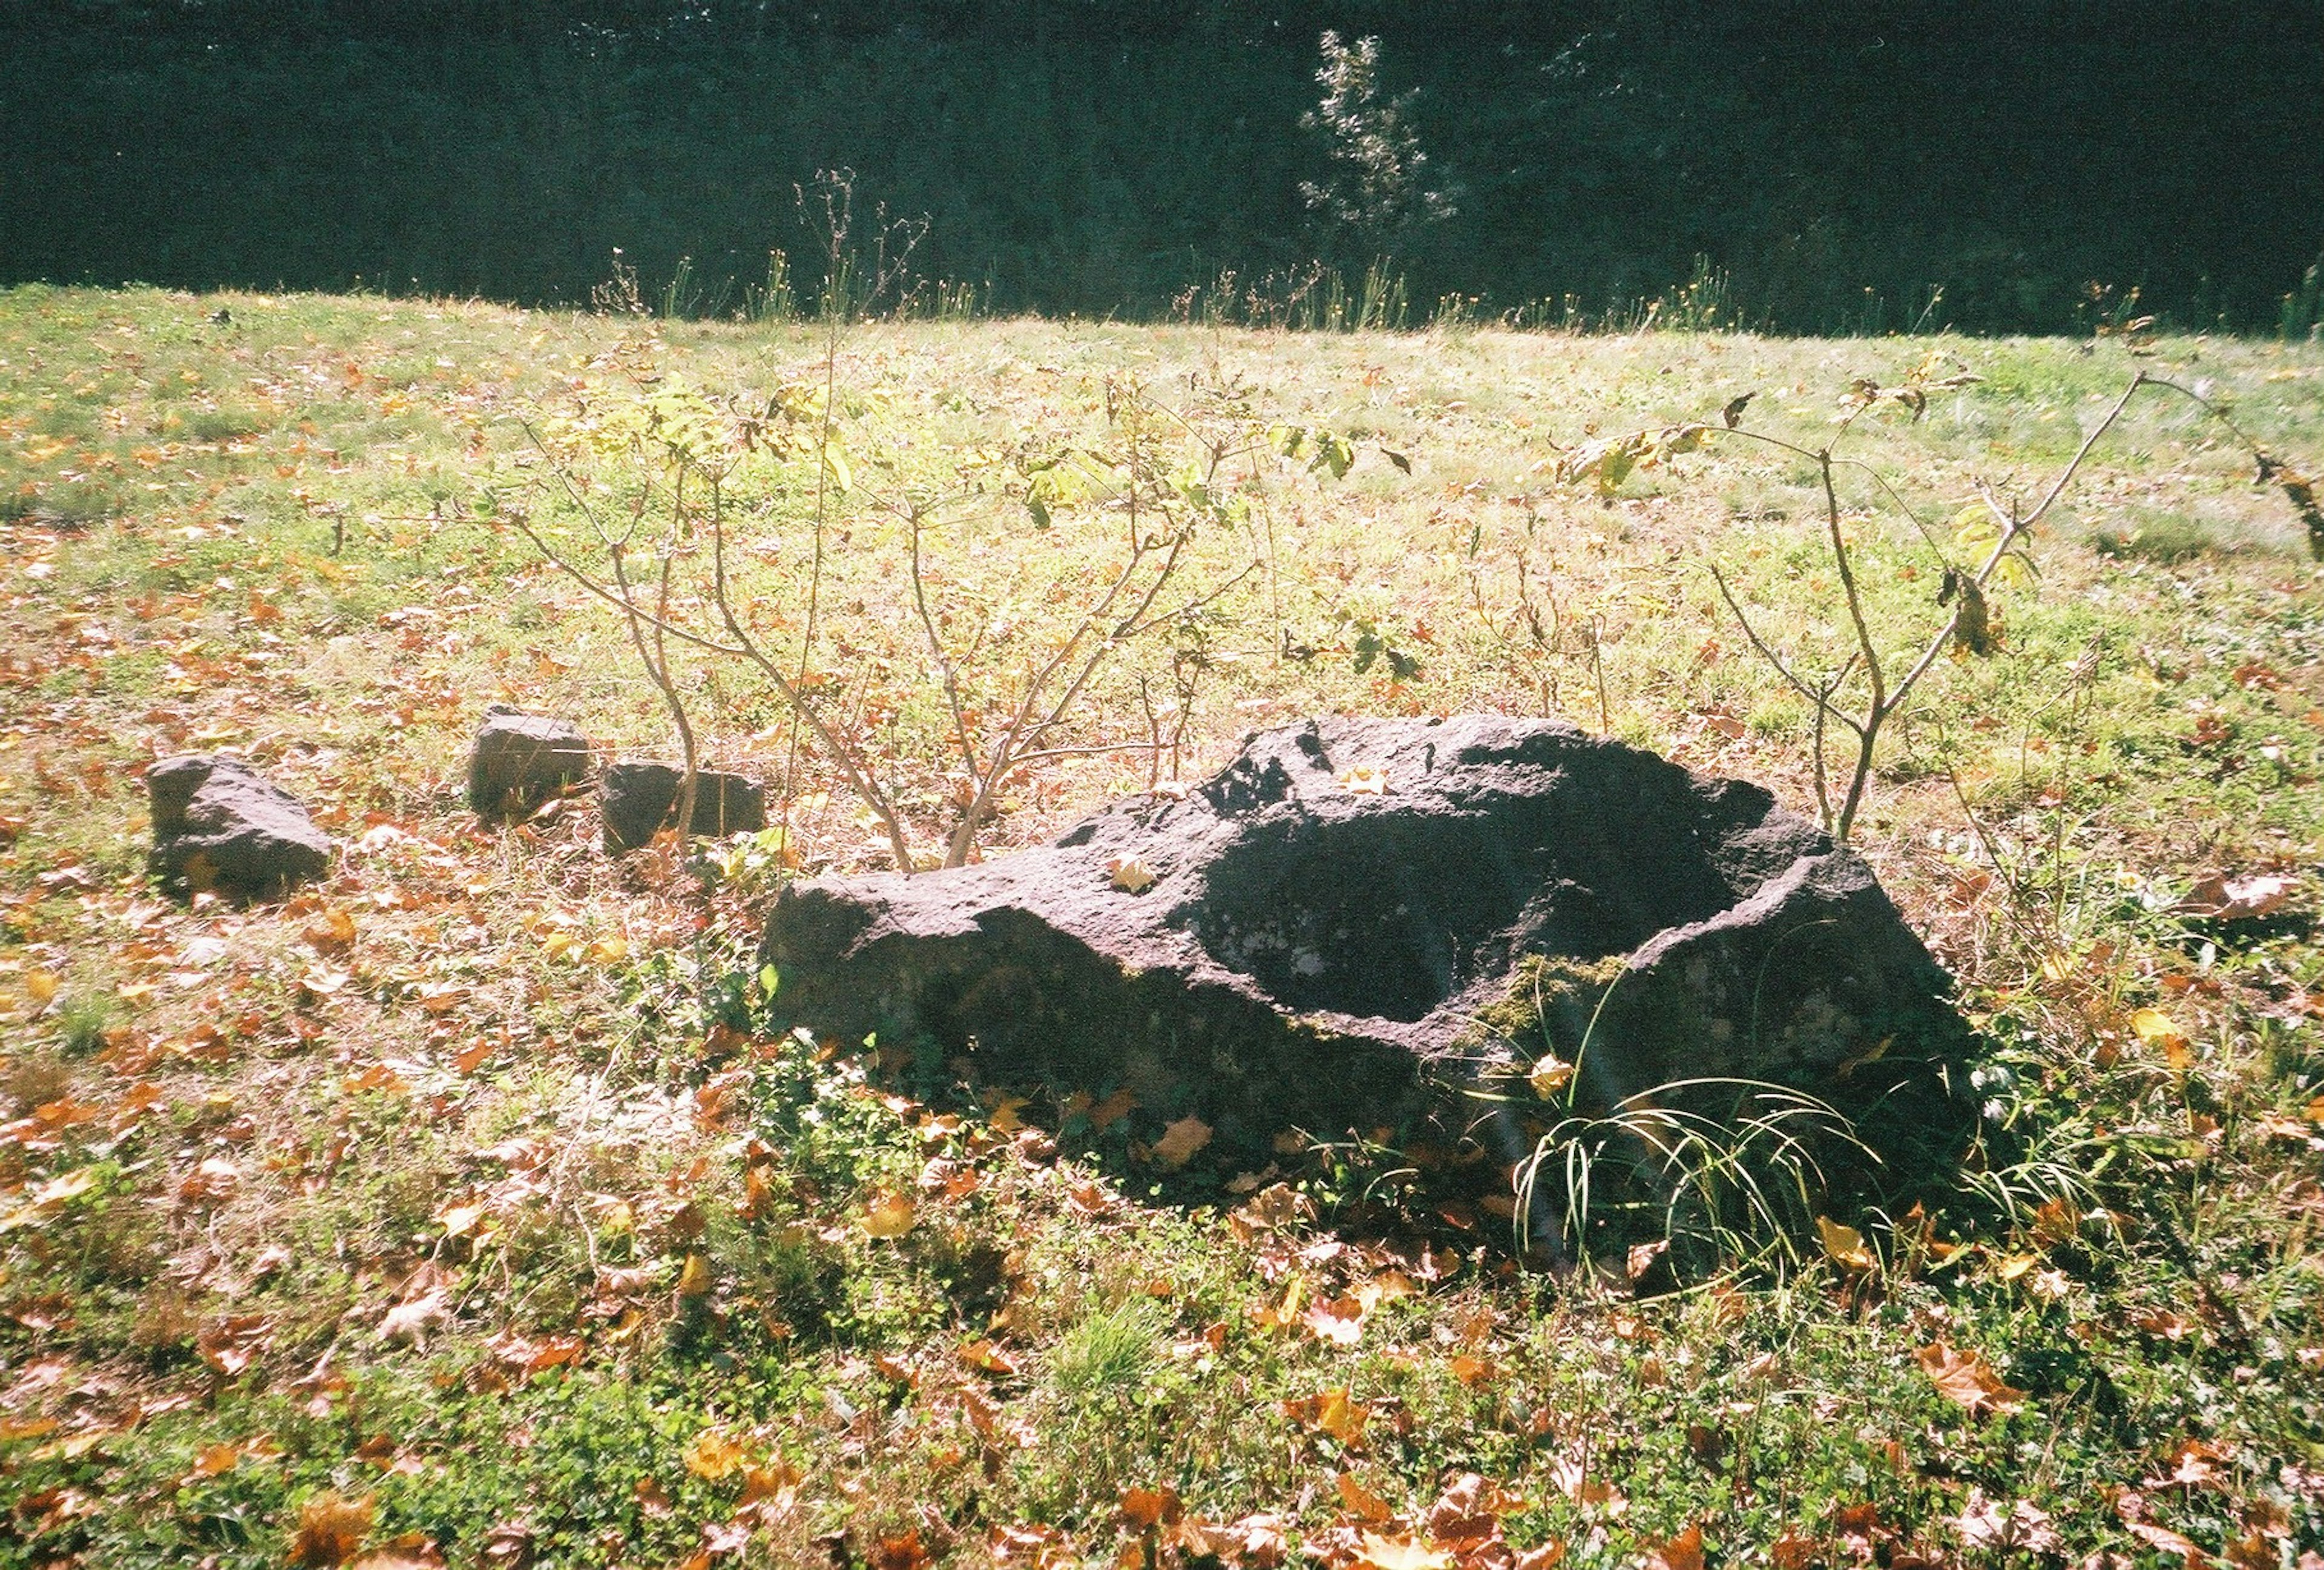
[513, 1219]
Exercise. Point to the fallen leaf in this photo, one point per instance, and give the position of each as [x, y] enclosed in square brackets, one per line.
[890, 1215]
[1364, 779]
[2004, 1524]
[1844, 1245]
[1362, 1502]
[1964, 1378]
[2154, 1028]
[1331, 1412]
[1550, 1076]
[332, 1528]
[714, 1454]
[1683, 1552]
[2219, 898]
[1379, 1553]
[1181, 1139]
[1129, 875]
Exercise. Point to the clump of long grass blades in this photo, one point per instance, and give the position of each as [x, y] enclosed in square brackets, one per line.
[1734, 1189]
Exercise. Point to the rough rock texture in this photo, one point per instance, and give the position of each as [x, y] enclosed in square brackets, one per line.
[218, 824]
[1318, 951]
[637, 801]
[520, 759]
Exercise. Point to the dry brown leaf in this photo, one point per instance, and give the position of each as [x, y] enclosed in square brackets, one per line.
[2000, 1525]
[1964, 1378]
[2220, 898]
[1181, 1141]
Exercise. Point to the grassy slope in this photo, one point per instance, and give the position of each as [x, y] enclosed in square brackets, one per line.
[463, 1228]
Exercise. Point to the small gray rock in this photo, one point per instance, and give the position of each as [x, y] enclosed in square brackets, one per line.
[637, 801]
[521, 760]
[218, 824]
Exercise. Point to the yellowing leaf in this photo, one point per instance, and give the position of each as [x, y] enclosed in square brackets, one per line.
[1844, 1245]
[890, 1215]
[714, 1454]
[1181, 1139]
[2154, 1028]
[1550, 1076]
[40, 986]
[1129, 875]
[694, 1276]
[608, 951]
[1331, 1412]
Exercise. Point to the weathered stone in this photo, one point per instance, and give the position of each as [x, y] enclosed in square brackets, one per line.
[1358, 919]
[220, 824]
[520, 759]
[639, 800]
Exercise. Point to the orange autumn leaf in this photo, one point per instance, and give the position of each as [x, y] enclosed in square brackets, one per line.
[1331, 1412]
[1362, 1502]
[1683, 1552]
[1143, 1508]
[1473, 1372]
[714, 1454]
[332, 1528]
[1181, 1139]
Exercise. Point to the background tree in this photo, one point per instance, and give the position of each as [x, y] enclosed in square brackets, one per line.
[1375, 194]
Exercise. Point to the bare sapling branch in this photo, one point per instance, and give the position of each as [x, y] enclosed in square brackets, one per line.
[1968, 627]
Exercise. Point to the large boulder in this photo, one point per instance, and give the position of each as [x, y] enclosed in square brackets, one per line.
[520, 759]
[219, 825]
[1359, 921]
[639, 800]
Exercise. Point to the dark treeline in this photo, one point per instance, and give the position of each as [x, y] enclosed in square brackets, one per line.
[1099, 156]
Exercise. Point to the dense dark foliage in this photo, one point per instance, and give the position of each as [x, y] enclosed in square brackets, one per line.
[1099, 155]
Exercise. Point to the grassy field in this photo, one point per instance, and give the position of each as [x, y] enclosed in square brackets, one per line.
[468, 1207]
